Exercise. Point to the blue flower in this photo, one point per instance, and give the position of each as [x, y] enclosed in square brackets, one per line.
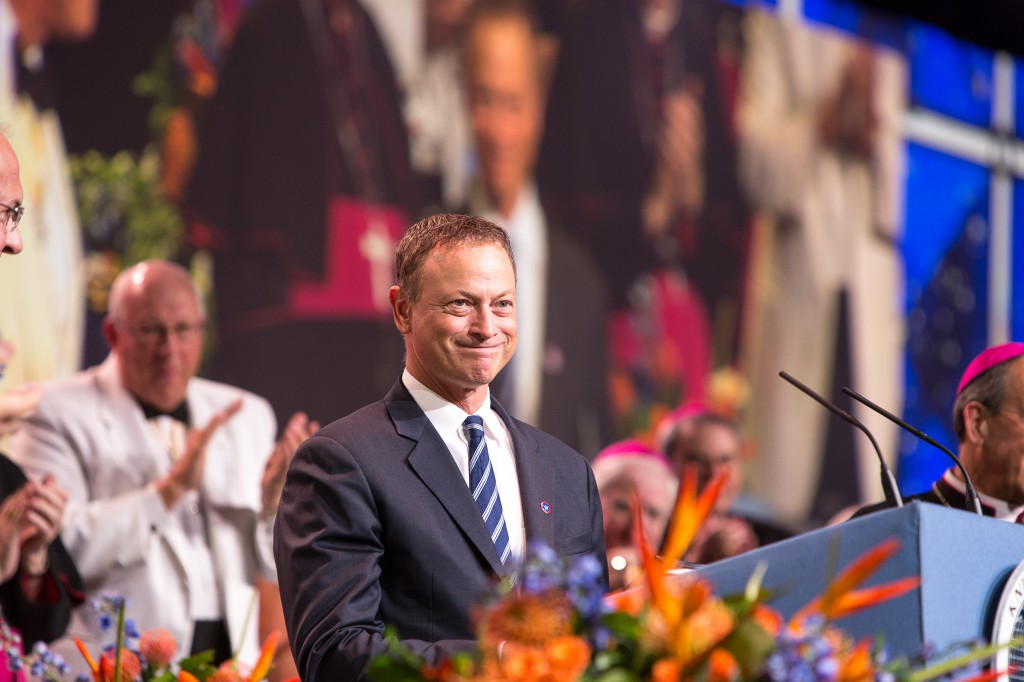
[130, 630]
[106, 621]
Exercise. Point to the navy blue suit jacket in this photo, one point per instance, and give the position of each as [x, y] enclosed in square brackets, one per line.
[377, 527]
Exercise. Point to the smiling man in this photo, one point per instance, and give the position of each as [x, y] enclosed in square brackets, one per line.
[403, 512]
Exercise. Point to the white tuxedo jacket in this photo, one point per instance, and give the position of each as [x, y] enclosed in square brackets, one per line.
[92, 435]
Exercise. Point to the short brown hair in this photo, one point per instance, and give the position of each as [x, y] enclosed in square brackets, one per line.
[443, 231]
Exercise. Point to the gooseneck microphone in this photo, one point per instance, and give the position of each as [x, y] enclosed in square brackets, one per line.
[972, 492]
[892, 491]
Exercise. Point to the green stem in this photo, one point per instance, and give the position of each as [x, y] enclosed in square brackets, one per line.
[245, 625]
[120, 640]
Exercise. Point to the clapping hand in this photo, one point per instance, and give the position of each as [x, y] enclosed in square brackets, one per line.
[187, 472]
[12, 514]
[300, 427]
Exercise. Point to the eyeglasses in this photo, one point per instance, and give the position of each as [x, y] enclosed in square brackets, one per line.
[12, 215]
[155, 334]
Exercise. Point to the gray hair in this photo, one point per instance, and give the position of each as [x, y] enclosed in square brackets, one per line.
[988, 388]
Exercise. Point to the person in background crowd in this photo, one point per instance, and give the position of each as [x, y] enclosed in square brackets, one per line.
[38, 581]
[172, 481]
[46, 321]
[713, 444]
[622, 469]
[403, 513]
[554, 382]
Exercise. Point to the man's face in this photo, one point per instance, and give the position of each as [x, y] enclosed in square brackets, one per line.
[712, 448]
[461, 330]
[503, 91]
[159, 342]
[11, 194]
[999, 471]
[656, 502]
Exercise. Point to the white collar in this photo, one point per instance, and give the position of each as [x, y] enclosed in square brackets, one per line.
[446, 416]
[1002, 510]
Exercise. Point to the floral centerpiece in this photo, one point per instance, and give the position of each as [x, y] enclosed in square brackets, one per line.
[552, 625]
[133, 656]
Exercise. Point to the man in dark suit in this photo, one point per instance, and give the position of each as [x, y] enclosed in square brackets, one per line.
[379, 524]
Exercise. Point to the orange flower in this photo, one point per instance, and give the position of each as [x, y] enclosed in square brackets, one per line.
[724, 667]
[841, 598]
[131, 667]
[225, 674]
[569, 656]
[629, 601]
[82, 649]
[231, 670]
[666, 670]
[262, 666]
[769, 619]
[157, 647]
[855, 665]
[563, 659]
[529, 619]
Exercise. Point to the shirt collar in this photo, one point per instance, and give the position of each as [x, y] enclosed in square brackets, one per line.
[442, 413]
[1000, 509]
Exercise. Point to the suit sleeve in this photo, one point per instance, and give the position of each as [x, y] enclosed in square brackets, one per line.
[328, 544]
[101, 534]
[597, 525]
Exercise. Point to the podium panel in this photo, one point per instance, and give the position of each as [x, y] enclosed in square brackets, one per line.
[963, 559]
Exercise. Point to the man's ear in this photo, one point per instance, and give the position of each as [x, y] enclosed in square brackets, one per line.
[401, 309]
[975, 422]
[110, 332]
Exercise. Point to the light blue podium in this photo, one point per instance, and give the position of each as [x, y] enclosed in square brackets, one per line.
[963, 559]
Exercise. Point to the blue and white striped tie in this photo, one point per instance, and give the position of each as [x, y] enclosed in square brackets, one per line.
[485, 487]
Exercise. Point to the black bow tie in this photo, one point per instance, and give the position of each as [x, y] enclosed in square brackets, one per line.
[180, 412]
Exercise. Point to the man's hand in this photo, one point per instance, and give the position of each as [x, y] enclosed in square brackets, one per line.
[187, 472]
[300, 427]
[12, 514]
[42, 524]
[17, 404]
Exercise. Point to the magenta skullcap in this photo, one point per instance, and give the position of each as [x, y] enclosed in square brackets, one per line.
[987, 359]
[631, 448]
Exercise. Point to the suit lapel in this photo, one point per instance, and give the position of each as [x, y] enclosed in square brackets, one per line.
[132, 441]
[536, 481]
[433, 464]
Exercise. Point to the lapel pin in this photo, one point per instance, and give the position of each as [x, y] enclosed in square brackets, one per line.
[545, 507]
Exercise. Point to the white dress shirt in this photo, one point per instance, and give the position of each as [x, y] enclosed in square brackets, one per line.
[205, 602]
[447, 419]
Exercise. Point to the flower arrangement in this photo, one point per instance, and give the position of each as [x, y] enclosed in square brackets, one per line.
[553, 626]
[133, 656]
